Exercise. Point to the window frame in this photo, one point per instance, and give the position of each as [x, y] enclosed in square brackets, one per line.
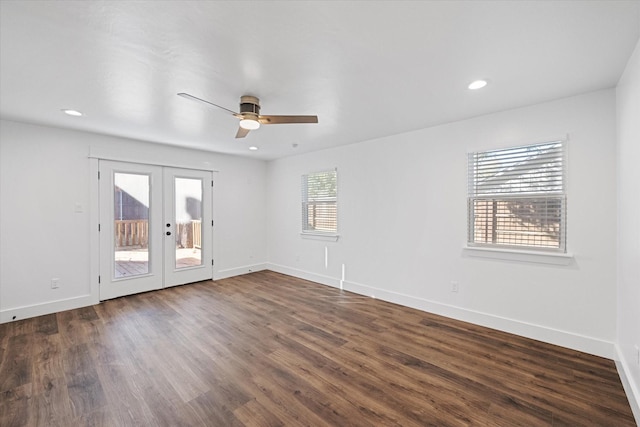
[496, 249]
[318, 233]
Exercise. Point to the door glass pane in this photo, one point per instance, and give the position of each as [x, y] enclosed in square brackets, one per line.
[131, 224]
[188, 202]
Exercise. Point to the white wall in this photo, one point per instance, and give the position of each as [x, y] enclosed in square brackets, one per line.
[45, 172]
[402, 221]
[628, 115]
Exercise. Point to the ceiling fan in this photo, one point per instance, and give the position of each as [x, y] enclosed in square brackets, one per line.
[250, 117]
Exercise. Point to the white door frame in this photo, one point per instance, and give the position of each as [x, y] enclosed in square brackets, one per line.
[100, 153]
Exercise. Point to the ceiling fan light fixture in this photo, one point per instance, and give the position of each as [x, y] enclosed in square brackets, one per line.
[249, 114]
[249, 124]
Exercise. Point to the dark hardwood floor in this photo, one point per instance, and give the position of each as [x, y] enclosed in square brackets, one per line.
[266, 349]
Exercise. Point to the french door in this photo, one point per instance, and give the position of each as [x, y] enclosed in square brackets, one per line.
[155, 227]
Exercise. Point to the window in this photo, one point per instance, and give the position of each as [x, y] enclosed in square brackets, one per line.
[517, 197]
[320, 202]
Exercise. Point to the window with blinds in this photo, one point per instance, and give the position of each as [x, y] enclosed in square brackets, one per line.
[320, 202]
[517, 198]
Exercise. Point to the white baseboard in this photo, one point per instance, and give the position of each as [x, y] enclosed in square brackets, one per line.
[306, 275]
[41, 309]
[237, 271]
[630, 387]
[561, 338]
[25, 312]
[552, 336]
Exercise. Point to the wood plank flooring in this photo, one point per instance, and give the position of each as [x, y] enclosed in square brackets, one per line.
[266, 349]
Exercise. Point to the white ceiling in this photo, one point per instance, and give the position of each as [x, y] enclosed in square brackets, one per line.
[367, 69]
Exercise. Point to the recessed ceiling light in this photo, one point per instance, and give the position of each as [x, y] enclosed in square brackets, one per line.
[478, 84]
[72, 113]
[253, 148]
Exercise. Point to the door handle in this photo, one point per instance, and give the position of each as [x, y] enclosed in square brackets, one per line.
[168, 233]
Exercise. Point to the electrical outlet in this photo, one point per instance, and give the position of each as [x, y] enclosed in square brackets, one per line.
[455, 286]
[55, 283]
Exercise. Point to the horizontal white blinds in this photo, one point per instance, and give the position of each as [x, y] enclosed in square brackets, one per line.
[534, 222]
[320, 202]
[531, 169]
[517, 197]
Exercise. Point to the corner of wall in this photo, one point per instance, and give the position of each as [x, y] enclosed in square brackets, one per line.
[238, 271]
[630, 388]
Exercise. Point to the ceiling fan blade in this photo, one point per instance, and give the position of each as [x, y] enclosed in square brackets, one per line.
[195, 98]
[276, 120]
[242, 132]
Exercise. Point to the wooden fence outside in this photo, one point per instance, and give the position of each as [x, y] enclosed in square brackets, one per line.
[135, 233]
[132, 232]
[196, 229]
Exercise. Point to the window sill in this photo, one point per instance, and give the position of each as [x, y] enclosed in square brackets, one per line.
[520, 255]
[320, 236]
